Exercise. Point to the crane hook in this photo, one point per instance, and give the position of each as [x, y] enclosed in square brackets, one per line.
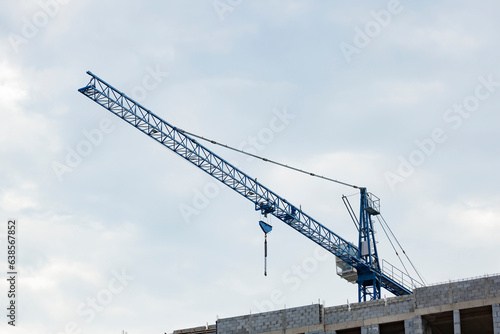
[266, 228]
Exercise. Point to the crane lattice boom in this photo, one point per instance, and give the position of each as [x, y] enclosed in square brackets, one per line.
[370, 274]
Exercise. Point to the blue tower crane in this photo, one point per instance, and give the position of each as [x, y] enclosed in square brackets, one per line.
[359, 264]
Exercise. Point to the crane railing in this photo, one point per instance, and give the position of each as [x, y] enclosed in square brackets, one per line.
[264, 199]
[399, 276]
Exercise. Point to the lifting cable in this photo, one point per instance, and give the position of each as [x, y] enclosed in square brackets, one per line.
[318, 176]
[351, 211]
[396, 239]
[267, 160]
[394, 248]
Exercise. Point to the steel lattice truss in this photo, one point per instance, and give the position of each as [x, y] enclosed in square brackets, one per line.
[264, 199]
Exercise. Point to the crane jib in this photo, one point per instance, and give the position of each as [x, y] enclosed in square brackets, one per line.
[264, 199]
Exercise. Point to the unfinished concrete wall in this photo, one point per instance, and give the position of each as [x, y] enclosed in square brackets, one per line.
[198, 330]
[447, 307]
[357, 314]
[457, 292]
[272, 321]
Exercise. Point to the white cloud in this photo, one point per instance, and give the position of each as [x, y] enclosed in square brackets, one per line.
[18, 199]
[407, 94]
[11, 90]
[476, 219]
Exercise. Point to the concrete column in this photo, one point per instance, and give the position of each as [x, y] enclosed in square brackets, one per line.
[374, 329]
[496, 318]
[409, 327]
[420, 326]
[250, 323]
[456, 322]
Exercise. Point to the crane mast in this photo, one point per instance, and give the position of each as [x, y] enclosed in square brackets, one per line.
[363, 261]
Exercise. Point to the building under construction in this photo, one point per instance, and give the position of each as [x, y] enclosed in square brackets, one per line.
[462, 307]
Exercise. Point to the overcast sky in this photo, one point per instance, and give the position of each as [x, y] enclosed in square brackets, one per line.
[116, 232]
